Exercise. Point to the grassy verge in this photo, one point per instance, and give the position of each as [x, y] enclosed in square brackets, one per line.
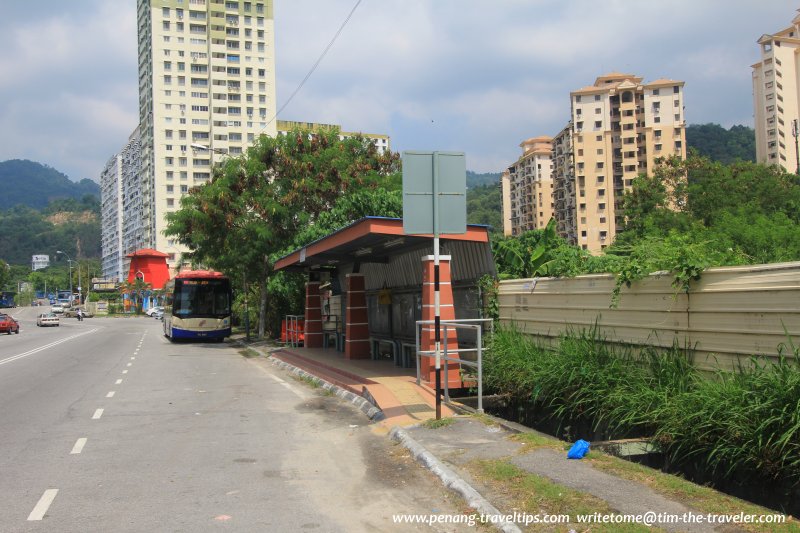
[737, 428]
[533, 494]
[698, 497]
[432, 423]
[249, 353]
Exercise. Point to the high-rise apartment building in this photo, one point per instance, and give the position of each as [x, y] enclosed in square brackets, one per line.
[564, 185]
[776, 97]
[619, 127]
[530, 186]
[505, 197]
[122, 204]
[206, 89]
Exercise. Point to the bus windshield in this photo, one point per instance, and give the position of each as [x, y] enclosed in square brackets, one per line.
[202, 298]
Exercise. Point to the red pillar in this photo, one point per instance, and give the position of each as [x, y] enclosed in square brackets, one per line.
[356, 321]
[313, 323]
[446, 312]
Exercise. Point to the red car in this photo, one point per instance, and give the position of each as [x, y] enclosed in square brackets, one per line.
[8, 324]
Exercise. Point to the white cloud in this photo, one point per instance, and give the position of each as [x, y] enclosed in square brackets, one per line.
[438, 74]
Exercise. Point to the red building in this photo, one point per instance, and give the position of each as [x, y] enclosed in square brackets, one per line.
[149, 266]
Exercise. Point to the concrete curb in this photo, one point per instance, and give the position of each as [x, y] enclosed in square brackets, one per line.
[450, 479]
[369, 409]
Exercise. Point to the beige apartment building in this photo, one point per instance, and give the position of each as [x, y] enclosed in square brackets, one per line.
[206, 90]
[776, 97]
[381, 141]
[564, 185]
[619, 126]
[528, 187]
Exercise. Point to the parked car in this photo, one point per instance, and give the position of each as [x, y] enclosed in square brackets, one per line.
[158, 314]
[47, 319]
[153, 310]
[8, 324]
[56, 308]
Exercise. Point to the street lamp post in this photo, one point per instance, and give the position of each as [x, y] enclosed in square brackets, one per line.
[206, 148]
[69, 260]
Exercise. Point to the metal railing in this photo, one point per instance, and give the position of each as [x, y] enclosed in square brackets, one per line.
[293, 330]
[475, 324]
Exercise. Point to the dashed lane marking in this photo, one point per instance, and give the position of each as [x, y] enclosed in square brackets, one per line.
[43, 505]
[78, 448]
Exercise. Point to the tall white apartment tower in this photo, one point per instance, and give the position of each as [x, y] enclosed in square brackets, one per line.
[121, 208]
[207, 80]
[776, 97]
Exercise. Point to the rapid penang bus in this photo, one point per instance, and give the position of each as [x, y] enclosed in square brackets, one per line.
[198, 306]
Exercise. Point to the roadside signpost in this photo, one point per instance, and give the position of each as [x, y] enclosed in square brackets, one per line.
[435, 202]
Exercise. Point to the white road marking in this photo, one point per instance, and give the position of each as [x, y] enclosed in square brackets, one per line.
[43, 505]
[78, 448]
[130, 364]
[118, 382]
[46, 346]
[111, 394]
[124, 371]
[282, 382]
[97, 414]
[133, 358]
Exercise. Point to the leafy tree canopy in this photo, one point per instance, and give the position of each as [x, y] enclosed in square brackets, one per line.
[255, 206]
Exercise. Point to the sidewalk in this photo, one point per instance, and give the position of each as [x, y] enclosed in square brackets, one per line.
[501, 468]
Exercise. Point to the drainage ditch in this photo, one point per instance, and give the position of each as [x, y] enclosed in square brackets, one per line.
[636, 448]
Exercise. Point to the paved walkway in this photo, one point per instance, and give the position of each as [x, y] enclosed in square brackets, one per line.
[392, 388]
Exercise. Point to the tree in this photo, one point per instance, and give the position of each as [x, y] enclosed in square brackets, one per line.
[255, 205]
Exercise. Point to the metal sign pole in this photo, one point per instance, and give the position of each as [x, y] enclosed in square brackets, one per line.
[436, 315]
[434, 182]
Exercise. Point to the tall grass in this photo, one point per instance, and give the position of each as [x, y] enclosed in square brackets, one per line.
[584, 377]
[738, 426]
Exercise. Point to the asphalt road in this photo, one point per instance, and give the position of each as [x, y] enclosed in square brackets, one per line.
[106, 426]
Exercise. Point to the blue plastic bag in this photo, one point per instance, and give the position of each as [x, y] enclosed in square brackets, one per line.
[578, 450]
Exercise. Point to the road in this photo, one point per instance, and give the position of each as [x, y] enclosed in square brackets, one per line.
[106, 426]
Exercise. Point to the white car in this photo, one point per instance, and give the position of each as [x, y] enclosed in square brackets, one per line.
[47, 319]
[56, 308]
[155, 309]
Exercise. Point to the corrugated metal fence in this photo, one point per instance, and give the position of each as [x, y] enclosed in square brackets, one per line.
[730, 313]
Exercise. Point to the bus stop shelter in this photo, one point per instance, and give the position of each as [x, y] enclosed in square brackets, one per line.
[369, 283]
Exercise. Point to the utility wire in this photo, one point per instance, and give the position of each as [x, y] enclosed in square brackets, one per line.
[314, 67]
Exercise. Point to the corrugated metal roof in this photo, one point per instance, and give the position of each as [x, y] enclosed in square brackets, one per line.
[469, 261]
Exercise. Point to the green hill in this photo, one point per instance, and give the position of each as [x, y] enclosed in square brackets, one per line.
[36, 185]
[718, 144]
[477, 180]
[69, 225]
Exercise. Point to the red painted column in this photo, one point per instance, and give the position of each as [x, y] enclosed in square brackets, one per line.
[356, 343]
[446, 312]
[313, 322]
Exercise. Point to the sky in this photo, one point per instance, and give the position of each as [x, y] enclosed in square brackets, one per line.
[460, 75]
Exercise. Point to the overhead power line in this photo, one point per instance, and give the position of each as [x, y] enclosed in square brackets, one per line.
[314, 67]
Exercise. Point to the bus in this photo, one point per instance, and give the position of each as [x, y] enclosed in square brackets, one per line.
[7, 299]
[198, 306]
